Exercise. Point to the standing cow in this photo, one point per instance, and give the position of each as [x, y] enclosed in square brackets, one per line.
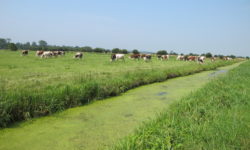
[180, 57]
[117, 57]
[39, 53]
[146, 57]
[201, 59]
[192, 58]
[135, 56]
[164, 57]
[47, 54]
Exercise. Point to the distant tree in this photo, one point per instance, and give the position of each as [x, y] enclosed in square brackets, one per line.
[3, 43]
[12, 46]
[182, 54]
[8, 40]
[87, 49]
[116, 50]
[162, 52]
[26, 45]
[209, 55]
[135, 51]
[232, 56]
[221, 56]
[247, 57]
[33, 44]
[99, 50]
[124, 51]
[43, 44]
[173, 53]
[107, 51]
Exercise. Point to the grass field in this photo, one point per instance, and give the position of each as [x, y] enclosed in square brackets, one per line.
[214, 117]
[32, 87]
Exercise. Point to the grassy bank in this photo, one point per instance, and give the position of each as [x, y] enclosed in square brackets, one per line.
[215, 117]
[33, 87]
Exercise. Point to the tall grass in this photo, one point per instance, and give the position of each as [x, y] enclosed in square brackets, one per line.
[215, 117]
[33, 87]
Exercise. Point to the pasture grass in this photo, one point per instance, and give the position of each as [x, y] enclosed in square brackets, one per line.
[33, 87]
[214, 117]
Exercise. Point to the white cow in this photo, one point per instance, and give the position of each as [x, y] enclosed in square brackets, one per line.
[180, 57]
[47, 54]
[78, 55]
[201, 59]
[117, 57]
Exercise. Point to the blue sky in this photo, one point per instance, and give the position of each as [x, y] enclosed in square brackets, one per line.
[198, 26]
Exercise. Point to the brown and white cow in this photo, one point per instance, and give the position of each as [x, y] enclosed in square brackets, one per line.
[47, 54]
[39, 53]
[180, 57]
[25, 52]
[164, 57]
[135, 56]
[78, 55]
[201, 59]
[191, 58]
[146, 57]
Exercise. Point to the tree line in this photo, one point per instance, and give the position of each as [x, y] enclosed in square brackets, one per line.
[43, 45]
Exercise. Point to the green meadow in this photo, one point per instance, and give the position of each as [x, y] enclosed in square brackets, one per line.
[32, 86]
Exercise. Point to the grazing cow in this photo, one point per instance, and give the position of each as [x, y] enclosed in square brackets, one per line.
[39, 53]
[180, 57]
[201, 59]
[47, 54]
[135, 56]
[78, 55]
[117, 57]
[191, 58]
[25, 52]
[147, 57]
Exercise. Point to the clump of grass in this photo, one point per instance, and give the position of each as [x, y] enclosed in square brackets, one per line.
[37, 87]
[214, 117]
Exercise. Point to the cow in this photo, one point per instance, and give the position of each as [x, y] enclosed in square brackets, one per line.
[201, 59]
[227, 58]
[55, 53]
[213, 58]
[135, 56]
[143, 55]
[191, 58]
[180, 57]
[164, 57]
[61, 52]
[39, 53]
[146, 57]
[47, 54]
[25, 52]
[78, 55]
[117, 57]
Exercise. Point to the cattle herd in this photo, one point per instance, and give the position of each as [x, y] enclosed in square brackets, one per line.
[116, 57]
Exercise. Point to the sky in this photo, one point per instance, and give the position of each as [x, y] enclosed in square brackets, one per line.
[183, 26]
